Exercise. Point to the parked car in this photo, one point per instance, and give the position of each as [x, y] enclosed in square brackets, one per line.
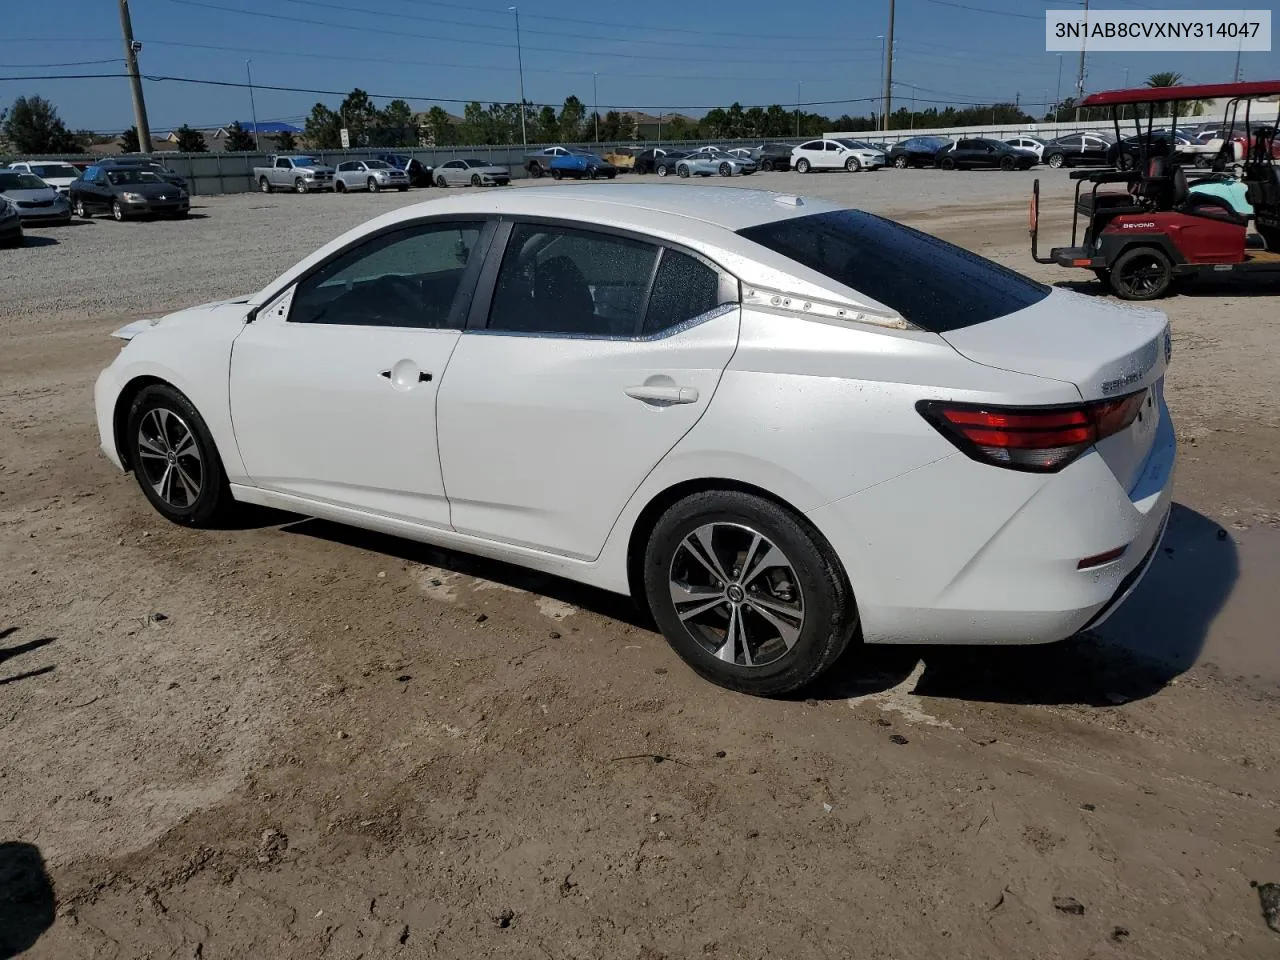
[581, 164]
[301, 174]
[774, 156]
[35, 201]
[934, 450]
[420, 174]
[1024, 142]
[622, 159]
[1077, 149]
[707, 163]
[371, 175]
[472, 172]
[745, 153]
[917, 152]
[570, 160]
[665, 165]
[127, 192]
[647, 160]
[10, 225]
[142, 162]
[56, 173]
[826, 154]
[979, 154]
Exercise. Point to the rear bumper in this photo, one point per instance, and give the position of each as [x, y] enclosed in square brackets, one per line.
[1076, 257]
[957, 552]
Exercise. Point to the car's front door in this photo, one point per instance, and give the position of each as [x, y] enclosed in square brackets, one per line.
[832, 154]
[334, 383]
[589, 355]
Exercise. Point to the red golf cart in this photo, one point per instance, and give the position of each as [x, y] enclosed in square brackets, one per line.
[1149, 228]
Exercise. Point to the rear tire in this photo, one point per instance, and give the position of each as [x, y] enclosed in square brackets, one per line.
[802, 165]
[339, 186]
[947, 163]
[1007, 163]
[852, 165]
[766, 166]
[1057, 161]
[1142, 273]
[663, 171]
[535, 171]
[162, 421]
[901, 163]
[441, 182]
[264, 185]
[790, 620]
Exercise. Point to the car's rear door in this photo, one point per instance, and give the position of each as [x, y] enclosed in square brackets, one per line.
[589, 354]
[333, 385]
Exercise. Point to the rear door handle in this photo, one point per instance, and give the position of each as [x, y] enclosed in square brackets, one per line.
[663, 394]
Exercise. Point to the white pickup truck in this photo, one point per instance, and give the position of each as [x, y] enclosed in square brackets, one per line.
[302, 174]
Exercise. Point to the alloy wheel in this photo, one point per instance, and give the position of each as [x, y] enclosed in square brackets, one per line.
[737, 594]
[169, 458]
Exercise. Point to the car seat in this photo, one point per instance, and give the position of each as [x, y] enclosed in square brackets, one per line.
[562, 298]
[1202, 204]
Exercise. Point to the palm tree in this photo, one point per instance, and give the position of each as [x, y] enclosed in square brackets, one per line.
[1170, 78]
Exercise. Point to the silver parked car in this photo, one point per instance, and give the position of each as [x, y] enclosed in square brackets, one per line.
[371, 175]
[706, 163]
[472, 172]
[35, 200]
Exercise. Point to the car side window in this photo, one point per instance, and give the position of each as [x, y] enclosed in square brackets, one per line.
[683, 288]
[345, 167]
[562, 280]
[831, 145]
[405, 278]
[282, 162]
[812, 145]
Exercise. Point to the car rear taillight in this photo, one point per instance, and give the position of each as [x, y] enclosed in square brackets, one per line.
[1035, 439]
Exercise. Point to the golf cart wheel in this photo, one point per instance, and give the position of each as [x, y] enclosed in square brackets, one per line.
[372, 185]
[117, 211]
[441, 182]
[683, 171]
[662, 171]
[1057, 161]
[901, 162]
[1007, 163]
[726, 170]
[747, 593]
[852, 165]
[339, 186]
[947, 163]
[535, 170]
[81, 210]
[802, 165]
[264, 184]
[1142, 273]
[475, 180]
[766, 166]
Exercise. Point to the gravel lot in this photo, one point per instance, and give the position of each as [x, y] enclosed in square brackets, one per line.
[295, 740]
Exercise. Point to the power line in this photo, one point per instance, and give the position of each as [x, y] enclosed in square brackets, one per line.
[72, 63]
[484, 43]
[999, 13]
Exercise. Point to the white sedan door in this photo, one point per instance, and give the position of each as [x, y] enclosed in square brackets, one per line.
[333, 384]
[591, 357]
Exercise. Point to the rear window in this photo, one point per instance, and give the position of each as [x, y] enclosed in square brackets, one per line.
[933, 284]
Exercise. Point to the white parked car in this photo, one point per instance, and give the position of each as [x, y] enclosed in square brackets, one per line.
[56, 173]
[783, 425]
[371, 175]
[848, 155]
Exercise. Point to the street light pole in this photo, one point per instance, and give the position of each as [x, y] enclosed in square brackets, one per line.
[888, 73]
[253, 109]
[1083, 47]
[595, 105]
[1057, 103]
[524, 137]
[881, 39]
[799, 84]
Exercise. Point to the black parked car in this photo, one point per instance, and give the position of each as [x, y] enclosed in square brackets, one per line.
[126, 192]
[647, 160]
[420, 175]
[1077, 149]
[990, 154]
[665, 165]
[916, 152]
[142, 163]
[775, 156]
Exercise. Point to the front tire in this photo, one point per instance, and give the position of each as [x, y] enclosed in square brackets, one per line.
[726, 170]
[441, 182]
[766, 166]
[81, 210]
[1007, 163]
[663, 171]
[947, 163]
[802, 165]
[299, 185]
[1142, 273]
[683, 172]
[174, 459]
[747, 593]
[556, 174]
[475, 180]
[117, 211]
[372, 185]
[901, 162]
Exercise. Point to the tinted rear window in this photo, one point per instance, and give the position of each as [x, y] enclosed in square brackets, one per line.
[933, 284]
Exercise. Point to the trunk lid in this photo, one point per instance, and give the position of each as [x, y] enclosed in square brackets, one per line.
[1107, 350]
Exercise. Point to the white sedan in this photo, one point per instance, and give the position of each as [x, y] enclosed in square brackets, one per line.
[783, 425]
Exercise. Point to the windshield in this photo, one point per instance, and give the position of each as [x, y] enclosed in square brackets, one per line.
[377, 165]
[304, 161]
[856, 144]
[61, 171]
[476, 163]
[931, 283]
[12, 180]
[120, 177]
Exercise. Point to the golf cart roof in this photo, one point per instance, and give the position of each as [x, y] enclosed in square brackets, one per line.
[1201, 91]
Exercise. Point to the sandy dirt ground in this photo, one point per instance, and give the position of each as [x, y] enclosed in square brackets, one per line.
[295, 740]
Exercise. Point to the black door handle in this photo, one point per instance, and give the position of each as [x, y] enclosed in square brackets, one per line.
[424, 377]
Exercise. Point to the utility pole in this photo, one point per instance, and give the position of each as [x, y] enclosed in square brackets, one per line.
[1057, 103]
[253, 108]
[888, 73]
[1084, 43]
[595, 105]
[131, 48]
[524, 137]
[1239, 47]
[799, 85]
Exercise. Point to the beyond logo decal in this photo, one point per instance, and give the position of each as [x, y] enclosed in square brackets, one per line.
[1138, 226]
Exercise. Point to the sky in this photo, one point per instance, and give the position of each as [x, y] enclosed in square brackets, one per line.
[666, 56]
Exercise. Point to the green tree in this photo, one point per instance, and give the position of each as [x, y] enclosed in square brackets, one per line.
[240, 140]
[129, 142]
[1167, 78]
[190, 141]
[32, 126]
[572, 115]
[611, 126]
[547, 126]
[475, 124]
[440, 129]
[322, 130]
[678, 129]
[286, 142]
[396, 126]
[360, 116]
